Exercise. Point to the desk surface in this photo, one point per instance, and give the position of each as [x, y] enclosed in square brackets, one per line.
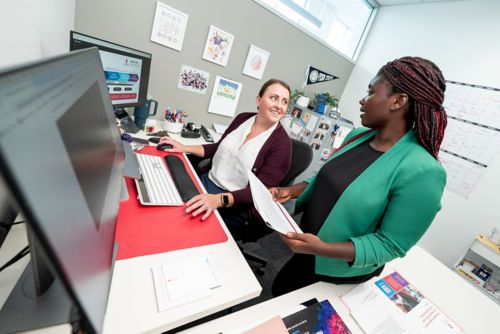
[463, 303]
[132, 302]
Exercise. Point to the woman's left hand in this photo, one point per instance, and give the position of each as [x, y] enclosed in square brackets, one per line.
[305, 243]
[203, 203]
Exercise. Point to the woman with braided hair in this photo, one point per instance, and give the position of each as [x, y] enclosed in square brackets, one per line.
[378, 194]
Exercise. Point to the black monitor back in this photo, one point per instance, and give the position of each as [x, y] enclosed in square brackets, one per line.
[62, 161]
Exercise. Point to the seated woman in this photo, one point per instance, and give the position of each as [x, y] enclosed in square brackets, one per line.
[255, 141]
[381, 190]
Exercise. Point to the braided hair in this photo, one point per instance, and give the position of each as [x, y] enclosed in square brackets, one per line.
[424, 84]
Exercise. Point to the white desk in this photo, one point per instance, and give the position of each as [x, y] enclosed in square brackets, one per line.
[132, 302]
[469, 308]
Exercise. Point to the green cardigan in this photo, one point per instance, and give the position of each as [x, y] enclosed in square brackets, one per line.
[385, 210]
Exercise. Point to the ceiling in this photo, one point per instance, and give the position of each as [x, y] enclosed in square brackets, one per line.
[407, 2]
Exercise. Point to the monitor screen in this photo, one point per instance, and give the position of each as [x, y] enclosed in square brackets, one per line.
[126, 69]
[62, 160]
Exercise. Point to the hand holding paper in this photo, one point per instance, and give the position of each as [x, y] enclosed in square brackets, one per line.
[273, 213]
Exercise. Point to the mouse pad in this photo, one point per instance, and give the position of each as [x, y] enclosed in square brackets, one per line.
[144, 230]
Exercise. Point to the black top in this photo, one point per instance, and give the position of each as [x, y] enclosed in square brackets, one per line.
[335, 176]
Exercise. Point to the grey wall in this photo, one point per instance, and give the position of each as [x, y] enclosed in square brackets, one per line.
[129, 22]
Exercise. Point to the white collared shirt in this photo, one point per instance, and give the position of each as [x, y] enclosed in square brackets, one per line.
[232, 159]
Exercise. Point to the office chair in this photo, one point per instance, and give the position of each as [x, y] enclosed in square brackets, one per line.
[302, 155]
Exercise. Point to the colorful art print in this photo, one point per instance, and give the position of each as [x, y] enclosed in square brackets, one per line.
[193, 79]
[169, 26]
[317, 318]
[256, 62]
[225, 96]
[218, 46]
[227, 89]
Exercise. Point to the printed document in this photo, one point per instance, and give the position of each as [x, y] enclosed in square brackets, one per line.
[272, 212]
[391, 304]
[181, 282]
[219, 128]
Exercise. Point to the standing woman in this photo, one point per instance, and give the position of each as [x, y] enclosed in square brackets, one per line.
[381, 190]
[255, 141]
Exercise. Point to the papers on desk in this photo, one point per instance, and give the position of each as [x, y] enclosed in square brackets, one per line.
[273, 213]
[219, 128]
[317, 318]
[391, 304]
[181, 282]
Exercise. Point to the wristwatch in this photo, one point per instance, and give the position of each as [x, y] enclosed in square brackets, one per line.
[224, 200]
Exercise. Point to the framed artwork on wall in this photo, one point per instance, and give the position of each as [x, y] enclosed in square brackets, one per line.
[256, 62]
[169, 26]
[218, 46]
[225, 96]
[193, 79]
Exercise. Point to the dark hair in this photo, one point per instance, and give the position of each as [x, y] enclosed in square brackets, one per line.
[424, 83]
[272, 82]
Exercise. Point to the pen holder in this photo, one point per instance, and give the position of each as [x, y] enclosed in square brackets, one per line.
[173, 127]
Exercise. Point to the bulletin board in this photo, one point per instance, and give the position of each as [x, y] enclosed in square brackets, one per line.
[472, 137]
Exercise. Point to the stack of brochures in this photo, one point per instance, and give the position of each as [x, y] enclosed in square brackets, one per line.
[392, 305]
[185, 281]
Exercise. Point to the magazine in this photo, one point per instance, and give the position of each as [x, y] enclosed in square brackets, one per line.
[315, 319]
[391, 304]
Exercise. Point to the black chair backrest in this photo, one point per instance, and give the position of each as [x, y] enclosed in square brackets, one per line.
[302, 155]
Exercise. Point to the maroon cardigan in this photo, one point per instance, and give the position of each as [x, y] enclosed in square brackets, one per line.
[272, 162]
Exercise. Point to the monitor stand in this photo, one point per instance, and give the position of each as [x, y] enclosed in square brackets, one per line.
[35, 302]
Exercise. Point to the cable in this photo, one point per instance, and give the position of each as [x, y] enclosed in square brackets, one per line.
[25, 251]
[7, 225]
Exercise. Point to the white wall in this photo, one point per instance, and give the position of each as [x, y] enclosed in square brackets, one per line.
[462, 39]
[33, 29]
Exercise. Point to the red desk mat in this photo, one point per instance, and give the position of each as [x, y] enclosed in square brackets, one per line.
[144, 230]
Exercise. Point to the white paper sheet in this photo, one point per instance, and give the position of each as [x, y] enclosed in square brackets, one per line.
[273, 213]
[219, 128]
[181, 282]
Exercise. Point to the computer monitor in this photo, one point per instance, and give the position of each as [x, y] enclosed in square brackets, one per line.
[126, 69]
[61, 159]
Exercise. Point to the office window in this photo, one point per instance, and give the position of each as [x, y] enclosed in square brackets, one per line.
[339, 24]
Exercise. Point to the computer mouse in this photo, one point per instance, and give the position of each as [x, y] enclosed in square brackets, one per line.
[163, 147]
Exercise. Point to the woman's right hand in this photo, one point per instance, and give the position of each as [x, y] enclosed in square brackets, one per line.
[281, 194]
[176, 146]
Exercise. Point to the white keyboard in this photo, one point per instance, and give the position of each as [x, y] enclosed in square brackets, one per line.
[156, 186]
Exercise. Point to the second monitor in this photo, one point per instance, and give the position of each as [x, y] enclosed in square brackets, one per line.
[126, 69]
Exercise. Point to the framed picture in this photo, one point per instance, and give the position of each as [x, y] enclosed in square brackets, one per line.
[218, 46]
[169, 26]
[225, 96]
[193, 79]
[256, 62]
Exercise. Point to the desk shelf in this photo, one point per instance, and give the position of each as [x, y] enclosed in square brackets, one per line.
[480, 261]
